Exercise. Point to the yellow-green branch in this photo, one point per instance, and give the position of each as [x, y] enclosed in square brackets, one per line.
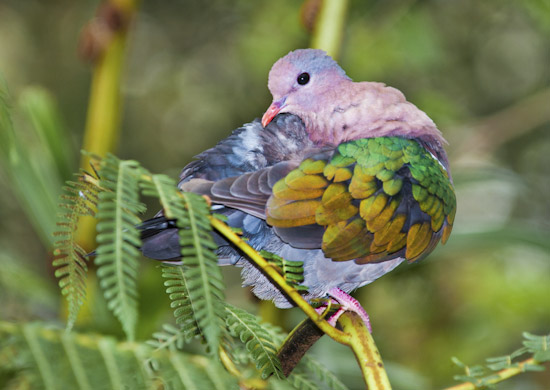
[276, 277]
[354, 334]
[365, 351]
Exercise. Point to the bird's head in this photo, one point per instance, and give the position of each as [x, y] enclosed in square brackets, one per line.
[299, 80]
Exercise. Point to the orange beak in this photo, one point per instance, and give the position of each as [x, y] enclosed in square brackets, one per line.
[272, 111]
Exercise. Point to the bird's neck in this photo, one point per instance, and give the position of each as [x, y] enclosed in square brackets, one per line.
[367, 110]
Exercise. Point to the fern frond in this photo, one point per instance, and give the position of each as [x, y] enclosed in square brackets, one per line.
[198, 284]
[176, 288]
[118, 239]
[539, 346]
[170, 337]
[165, 189]
[80, 199]
[257, 340]
[311, 365]
[203, 275]
[302, 382]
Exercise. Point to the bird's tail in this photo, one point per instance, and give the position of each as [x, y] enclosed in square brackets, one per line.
[160, 240]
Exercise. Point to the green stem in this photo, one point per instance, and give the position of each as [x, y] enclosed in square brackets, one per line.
[104, 108]
[329, 27]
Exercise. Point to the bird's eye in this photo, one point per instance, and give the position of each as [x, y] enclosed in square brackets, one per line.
[303, 79]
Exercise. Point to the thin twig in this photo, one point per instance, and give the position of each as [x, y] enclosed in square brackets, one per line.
[496, 377]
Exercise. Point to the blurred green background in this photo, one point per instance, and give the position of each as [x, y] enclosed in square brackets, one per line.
[198, 69]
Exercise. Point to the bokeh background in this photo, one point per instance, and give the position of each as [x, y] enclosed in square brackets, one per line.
[197, 69]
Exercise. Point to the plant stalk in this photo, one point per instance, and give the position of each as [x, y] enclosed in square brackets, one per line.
[102, 127]
[328, 31]
[365, 351]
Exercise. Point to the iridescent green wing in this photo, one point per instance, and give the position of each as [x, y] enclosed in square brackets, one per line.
[376, 198]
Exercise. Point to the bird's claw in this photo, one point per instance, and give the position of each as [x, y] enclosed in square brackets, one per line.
[347, 303]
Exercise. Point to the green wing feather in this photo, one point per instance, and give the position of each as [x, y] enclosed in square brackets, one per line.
[377, 198]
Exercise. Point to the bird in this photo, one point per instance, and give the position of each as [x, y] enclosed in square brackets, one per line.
[348, 177]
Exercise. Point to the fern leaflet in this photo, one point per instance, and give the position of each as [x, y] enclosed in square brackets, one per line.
[203, 275]
[539, 346]
[176, 288]
[257, 340]
[292, 271]
[171, 338]
[79, 199]
[197, 285]
[118, 239]
[322, 373]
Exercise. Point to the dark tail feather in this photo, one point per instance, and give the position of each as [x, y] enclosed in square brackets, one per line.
[160, 240]
[154, 226]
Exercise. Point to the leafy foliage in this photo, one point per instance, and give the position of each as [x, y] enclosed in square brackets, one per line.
[292, 271]
[539, 346]
[80, 199]
[118, 238]
[257, 340]
[37, 158]
[204, 279]
[170, 337]
[35, 356]
[196, 287]
[176, 288]
[536, 346]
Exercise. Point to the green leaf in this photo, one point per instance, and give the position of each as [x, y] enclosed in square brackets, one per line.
[202, 273]
[80, 199]
[539, 346]
[171, 338]
[118, 239]
[32, 163]
[292, 271]
[197, 285]
[176, 288]
[322, 373]
[500, 362]
[257, 340]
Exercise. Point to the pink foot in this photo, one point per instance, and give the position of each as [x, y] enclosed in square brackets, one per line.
[347, 303]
